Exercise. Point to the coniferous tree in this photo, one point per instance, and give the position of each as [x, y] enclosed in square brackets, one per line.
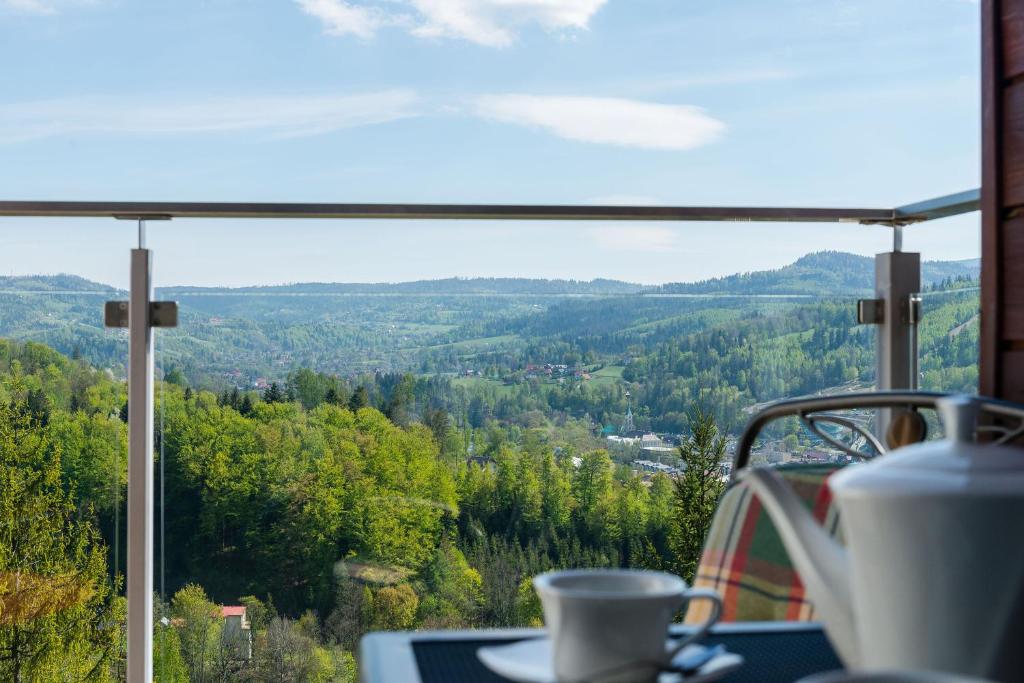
[245, 408]
[273, 394]
[439, 423]
[401, 401]
[697, 491]
[360, 399]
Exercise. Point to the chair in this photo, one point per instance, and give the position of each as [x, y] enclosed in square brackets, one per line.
[744, 559]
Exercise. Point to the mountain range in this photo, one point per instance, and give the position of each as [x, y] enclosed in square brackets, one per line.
[233, 336]
[824, 272]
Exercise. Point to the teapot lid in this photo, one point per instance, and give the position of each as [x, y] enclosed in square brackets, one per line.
[957, 462]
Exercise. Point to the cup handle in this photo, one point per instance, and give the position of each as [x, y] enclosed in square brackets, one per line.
[702, 630]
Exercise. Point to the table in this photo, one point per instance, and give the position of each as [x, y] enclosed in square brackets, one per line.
[774, 651]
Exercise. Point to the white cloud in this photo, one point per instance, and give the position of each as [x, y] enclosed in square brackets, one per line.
[342, 18]
[494, 23]
[43, 7]
[605, 120]
[281, 116]
[587, 119]
[645, 238]
[29, 6]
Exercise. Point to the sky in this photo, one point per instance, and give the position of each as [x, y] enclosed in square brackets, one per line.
[824, 103]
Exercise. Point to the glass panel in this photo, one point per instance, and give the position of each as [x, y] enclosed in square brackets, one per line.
[337, 458]
[63, 449]
[500, 427]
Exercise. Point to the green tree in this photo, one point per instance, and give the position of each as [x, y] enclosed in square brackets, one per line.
[395, 607]
[245, 407]
[528, 608]
[454, 590]
[659, 521]
[168, 664]
[198, 622]
[175, 376]
[592, 488]
[439, 423]
[360, 399]
[697, 491]
[352, 613]
[286, 654]
[273, 394]
[57, 616]
[401, 401]
[556, 493]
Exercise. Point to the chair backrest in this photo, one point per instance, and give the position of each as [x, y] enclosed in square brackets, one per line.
[744, 559]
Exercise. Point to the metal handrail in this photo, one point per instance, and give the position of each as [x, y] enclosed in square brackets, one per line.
[938, 207]
[802, 407]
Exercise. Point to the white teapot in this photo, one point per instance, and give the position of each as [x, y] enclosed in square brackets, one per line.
[932, 576]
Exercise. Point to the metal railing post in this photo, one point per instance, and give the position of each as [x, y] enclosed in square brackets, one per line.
[140, 470]
[140, 314]
[896, 310]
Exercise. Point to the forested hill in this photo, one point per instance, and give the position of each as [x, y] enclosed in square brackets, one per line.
[455, 286]
[231, 337]
[824, 272]
[53, 284]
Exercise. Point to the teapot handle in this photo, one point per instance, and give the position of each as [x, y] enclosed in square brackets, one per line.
[702, 630]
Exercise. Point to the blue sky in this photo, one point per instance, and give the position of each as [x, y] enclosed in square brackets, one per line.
[734, 102]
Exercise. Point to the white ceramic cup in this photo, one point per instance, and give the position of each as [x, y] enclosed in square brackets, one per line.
[611, 625]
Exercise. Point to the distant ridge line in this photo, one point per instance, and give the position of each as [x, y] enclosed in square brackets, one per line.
[824, 273]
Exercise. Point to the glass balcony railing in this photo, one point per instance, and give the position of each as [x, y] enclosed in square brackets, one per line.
[333, 459]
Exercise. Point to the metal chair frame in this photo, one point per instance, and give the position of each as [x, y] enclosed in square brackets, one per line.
[816, 410]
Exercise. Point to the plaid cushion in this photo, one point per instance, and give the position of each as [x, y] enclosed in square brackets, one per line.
[744, 559]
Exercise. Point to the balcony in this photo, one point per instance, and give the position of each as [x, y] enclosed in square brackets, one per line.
[291, 510]
[290, 441]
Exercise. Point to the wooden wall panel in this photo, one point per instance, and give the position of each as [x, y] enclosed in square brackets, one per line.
[1012, 300]
[1001, 365]
[1012, 30]
[1013, 145]
[993, 23]
[1013, 376]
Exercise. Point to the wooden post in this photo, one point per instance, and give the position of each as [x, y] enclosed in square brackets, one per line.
[1001, 362]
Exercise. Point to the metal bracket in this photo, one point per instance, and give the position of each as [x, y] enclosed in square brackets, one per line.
[161, 314]
[912, 310]
[871, 311]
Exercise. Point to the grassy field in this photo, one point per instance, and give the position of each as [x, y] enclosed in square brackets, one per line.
[609, 374]
[479, 343]
[497, 386]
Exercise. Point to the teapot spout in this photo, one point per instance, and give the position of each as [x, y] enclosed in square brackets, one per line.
[820, 560]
